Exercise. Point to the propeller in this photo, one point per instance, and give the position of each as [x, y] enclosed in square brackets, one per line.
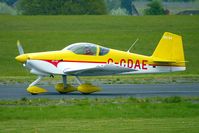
[21, 57]
[20, 49]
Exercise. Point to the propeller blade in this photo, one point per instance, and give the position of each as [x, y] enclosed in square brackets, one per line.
[20, 49]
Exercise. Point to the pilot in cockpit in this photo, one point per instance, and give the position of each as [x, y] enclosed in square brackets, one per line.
[88, 51]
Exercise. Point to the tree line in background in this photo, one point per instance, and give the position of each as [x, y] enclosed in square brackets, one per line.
[54, 7]
[169, 0]
[78, 7]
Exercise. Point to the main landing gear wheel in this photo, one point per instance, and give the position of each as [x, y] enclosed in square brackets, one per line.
[63, 90]
[87, 88]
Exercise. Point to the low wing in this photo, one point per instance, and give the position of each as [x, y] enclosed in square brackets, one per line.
[105, 69]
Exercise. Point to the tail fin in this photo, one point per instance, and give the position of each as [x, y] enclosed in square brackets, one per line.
[170, 50]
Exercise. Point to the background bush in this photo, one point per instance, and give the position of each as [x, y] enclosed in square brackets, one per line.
[155, 8]
[5, 9]
[119, 12]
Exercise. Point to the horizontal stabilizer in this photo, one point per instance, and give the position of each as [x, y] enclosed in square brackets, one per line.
[156, 60]
[164, 61]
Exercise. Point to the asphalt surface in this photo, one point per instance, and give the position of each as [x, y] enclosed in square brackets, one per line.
[115, 90]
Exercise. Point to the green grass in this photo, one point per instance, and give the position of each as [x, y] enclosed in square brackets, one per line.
[161, 115]
[42, 33]
[138, 125]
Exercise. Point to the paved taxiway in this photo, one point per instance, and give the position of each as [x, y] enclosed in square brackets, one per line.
[116, 90]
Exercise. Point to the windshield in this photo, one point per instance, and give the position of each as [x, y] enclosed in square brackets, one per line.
[82, 48]
[103, 51]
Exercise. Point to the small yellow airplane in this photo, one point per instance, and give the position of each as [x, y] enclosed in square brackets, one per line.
[87, 59]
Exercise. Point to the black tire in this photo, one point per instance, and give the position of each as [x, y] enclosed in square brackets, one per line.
[34, 93]
[86, 93]
[63, 92]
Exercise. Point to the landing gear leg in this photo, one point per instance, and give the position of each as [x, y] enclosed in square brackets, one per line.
[78, 80]
[64, 78]
[34, 90]
[36, 81]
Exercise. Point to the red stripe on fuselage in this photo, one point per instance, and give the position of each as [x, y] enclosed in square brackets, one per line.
[56, 62]
[85, 61]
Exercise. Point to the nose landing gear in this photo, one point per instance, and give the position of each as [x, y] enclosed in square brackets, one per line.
[34, 90]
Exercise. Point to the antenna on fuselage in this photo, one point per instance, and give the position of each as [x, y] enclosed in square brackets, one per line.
[132, 45]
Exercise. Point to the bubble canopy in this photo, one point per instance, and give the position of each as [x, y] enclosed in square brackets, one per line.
[87, 49]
